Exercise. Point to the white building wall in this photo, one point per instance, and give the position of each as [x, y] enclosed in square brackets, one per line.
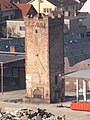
[44, 4]
[15, 28]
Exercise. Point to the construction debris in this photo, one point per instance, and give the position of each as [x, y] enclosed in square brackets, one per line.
[61, 106]
[28, 114]
[14, 100]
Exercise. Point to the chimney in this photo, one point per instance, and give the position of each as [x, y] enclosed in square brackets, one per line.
[12, 49]
[39, 14]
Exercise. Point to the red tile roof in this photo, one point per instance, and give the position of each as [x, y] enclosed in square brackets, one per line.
[3, 0]
[6, 6]
[24, 8]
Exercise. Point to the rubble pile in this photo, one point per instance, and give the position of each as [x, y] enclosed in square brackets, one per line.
[27, 114]
[14, 100]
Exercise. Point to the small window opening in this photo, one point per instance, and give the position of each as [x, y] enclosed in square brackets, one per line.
[56, 80]
[36, 31]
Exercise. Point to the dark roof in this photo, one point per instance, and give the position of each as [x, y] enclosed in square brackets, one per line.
[60, 3]
[20, 1]
[18, 43]
[7, 57]
[82, 1]
[82, 14]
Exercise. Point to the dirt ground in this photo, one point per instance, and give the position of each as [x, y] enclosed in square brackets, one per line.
[7, 105]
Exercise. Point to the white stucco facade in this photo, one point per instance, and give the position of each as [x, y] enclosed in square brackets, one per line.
[15, 28]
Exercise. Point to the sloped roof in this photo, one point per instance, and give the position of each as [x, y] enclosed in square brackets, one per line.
[83, 14]
[58, 3]
[78, 74]
[86, 7]
[6, 6]
[24, 8]
[82, 1]
[7, 57]
[3, 1]
[21, 1]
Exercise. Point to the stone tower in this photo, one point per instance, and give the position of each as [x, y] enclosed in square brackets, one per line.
[44, 58]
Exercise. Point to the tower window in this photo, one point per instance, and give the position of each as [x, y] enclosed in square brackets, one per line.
[36, 31]
[22, 28]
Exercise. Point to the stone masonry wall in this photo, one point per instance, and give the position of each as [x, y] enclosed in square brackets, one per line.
[44, 57]
[37, 62]
[56, 58]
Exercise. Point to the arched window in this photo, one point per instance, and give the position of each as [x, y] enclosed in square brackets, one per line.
[37, 94]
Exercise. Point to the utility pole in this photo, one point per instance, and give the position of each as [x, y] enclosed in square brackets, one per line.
[39, 12]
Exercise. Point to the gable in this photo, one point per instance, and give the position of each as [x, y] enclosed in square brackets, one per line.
[44, 4]
[24, 8]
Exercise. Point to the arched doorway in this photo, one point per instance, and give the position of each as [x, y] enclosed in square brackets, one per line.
[37, 94]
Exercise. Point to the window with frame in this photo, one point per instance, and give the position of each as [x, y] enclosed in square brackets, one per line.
[47, 10]
[88, 34]
[50, 10]
[41, 1]
[5, 17]
[82, 35]
[44, 10]
[22, 28]
[12, 16]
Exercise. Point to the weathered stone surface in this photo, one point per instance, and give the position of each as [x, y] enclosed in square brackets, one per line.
[44, 58]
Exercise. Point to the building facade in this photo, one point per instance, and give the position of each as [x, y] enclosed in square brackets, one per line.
[44, 58]
[45, 6]
[15, 28]
[70, 7]
[14, 72]
[76, 50]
